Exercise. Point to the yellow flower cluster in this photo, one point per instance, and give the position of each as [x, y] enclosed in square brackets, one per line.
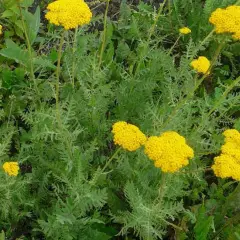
[69, 14]
[0, 29]
[128, 136]
[201, 65]
[227, 21]
[11, 168]
[228, 163]
[185, 30]
[169, 151]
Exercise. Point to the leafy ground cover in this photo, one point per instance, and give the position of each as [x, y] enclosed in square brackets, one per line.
[125, 127]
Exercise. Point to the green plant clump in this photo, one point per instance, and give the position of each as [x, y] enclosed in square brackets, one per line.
[110, 129]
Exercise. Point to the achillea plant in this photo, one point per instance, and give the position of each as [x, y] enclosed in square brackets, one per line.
[70, 186]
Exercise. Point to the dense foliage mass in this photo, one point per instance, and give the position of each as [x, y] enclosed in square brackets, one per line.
[120, 125]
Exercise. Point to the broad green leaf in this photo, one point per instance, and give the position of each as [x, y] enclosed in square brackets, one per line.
[203, 224]
[27, 3]
[15, 9]
[2, 235]
[123, 51]
[20, 74]
[9, 3]
[7, 13]
[7, 78]
[33, 24]
[18, 23]
[108, 57]
[13, 51]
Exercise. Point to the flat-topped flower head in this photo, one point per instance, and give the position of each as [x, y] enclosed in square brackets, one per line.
[185, 30]
[201, 65]
[69, 14]
[227, 21]
[169, 151]
[128, 136]
[228, 163]
[11, 168]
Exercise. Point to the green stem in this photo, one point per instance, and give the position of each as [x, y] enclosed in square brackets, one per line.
[221, 100]
[191, 93]
[32, 76]
[229, 200]
[74, 50]
[110, 159]
[173, 225]
[170, 14]
[95, 178]
[104, 35]
[57, 77]
[223, 97]
[173, 46]
[203, 42]
[151, 31]
[235, 219]
[161, 190]
[10, 112]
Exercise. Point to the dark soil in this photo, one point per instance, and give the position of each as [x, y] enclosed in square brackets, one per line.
[114, 5]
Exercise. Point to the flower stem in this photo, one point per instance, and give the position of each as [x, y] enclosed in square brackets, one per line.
[203, 42]
[191, 93]
[95, 178]
[151, 32]
[173, 46]
[104, 35]
[221, 100]
[32, 76]
[74, 50]
[152, 29]
[57, 77]
[161, 190]
[110, 159]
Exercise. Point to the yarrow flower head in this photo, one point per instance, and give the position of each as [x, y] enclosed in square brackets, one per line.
[11, 168]
[228, 163]
[69, 14]
[201, 65]
[169, 151]
[227, 21]
[185, 30]
[128, 136]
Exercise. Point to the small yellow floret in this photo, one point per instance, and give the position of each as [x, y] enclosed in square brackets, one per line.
[201, 65]
[228, 163]
[128, 136]
[69, 14]
[11, 168]
[169, 151]
[185, 30]
[1, 29]
[227, 21]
